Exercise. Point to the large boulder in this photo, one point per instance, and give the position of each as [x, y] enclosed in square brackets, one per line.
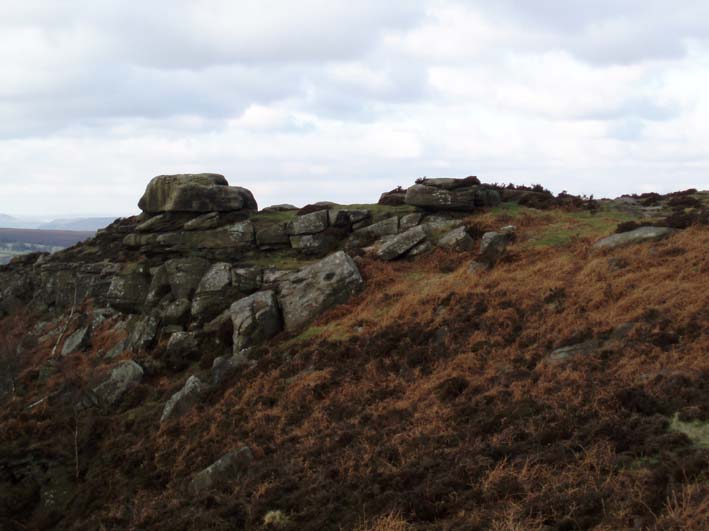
[169, 221]
[123, 376]
[314, 244]
[394, 197]
[493, 246]
[457, 239]
[77, 341]
[142, 332]
[447, 183]
[214, 293]
[226, 365]
[184, 400]
[311, 223]
[183, 348]
[235, 236]
[451, 194]
[129, 289]
[255, 319]
[643, 234]
[185, 274]
[273, 236]
[385, 227]
[202, 192]
[227, 468]
[401, 244]
[247, 279]
[174, 312]
[306, 293]
[347, 218]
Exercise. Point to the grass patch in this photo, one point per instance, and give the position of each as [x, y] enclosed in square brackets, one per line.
[378, 210]
[333, 331]
[564, 227]
[508, 209]
[273, 217]
[283, 259]
[697, 431]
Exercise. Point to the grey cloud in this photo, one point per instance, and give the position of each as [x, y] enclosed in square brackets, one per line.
[179, 58]
[626, 129]
[607, 31]
[638, 108]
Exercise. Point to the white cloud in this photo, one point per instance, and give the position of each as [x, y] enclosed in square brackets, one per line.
[342, 100]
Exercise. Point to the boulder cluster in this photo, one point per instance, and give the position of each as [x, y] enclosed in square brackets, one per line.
[201, 269]
[201, 280]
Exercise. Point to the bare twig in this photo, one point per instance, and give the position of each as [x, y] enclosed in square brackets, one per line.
[67, 321]
[76, 443]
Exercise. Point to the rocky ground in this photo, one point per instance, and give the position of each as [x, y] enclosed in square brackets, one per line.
[457, 356]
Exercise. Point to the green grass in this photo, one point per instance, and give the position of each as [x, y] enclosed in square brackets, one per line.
[564, 227]
[511, 210]
[377, 209]
[268, 218]
[283, 259]
[697, 431]
[334, 331]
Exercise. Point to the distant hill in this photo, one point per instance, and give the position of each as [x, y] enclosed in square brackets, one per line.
[79, 224]
[54, 238]
[11, 222]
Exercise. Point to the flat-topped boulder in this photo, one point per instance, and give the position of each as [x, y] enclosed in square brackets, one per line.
[464, 195]
[194, 192]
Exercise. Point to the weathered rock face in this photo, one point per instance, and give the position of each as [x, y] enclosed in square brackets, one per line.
[255, 319]
[401, 244]
[308, 292]
[393, 198]
[214, 292]
[185, 274]
[274, 236]
[226, 469]
[381, 228]
[125, 375]
[142, 332]
[129, 289]
[451, 194]
[493, 246]
[573, 351]
[203, 192]
[457, 239]
[642, 234]
[447, 183]
[182, 344]
[184, 400]
[225, 365]
[77, 341]
[309, 223]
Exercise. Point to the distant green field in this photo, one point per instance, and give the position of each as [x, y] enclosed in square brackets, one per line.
[15, 242]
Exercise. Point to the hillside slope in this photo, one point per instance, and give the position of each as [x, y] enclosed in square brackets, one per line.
[560, 386]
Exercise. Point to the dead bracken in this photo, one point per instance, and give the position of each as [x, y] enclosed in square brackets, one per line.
[333, 374]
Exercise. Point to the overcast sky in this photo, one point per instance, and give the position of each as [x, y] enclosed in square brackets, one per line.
[340, 100]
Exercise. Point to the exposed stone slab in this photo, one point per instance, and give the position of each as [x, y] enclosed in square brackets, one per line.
[311, 223]
[255, 319]
[306, 293]
[642, 234]
[465, 199]
[457, 239]
[184, 400]
[122, 377]
[401, 244]
[77, 341]
[226, 469]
